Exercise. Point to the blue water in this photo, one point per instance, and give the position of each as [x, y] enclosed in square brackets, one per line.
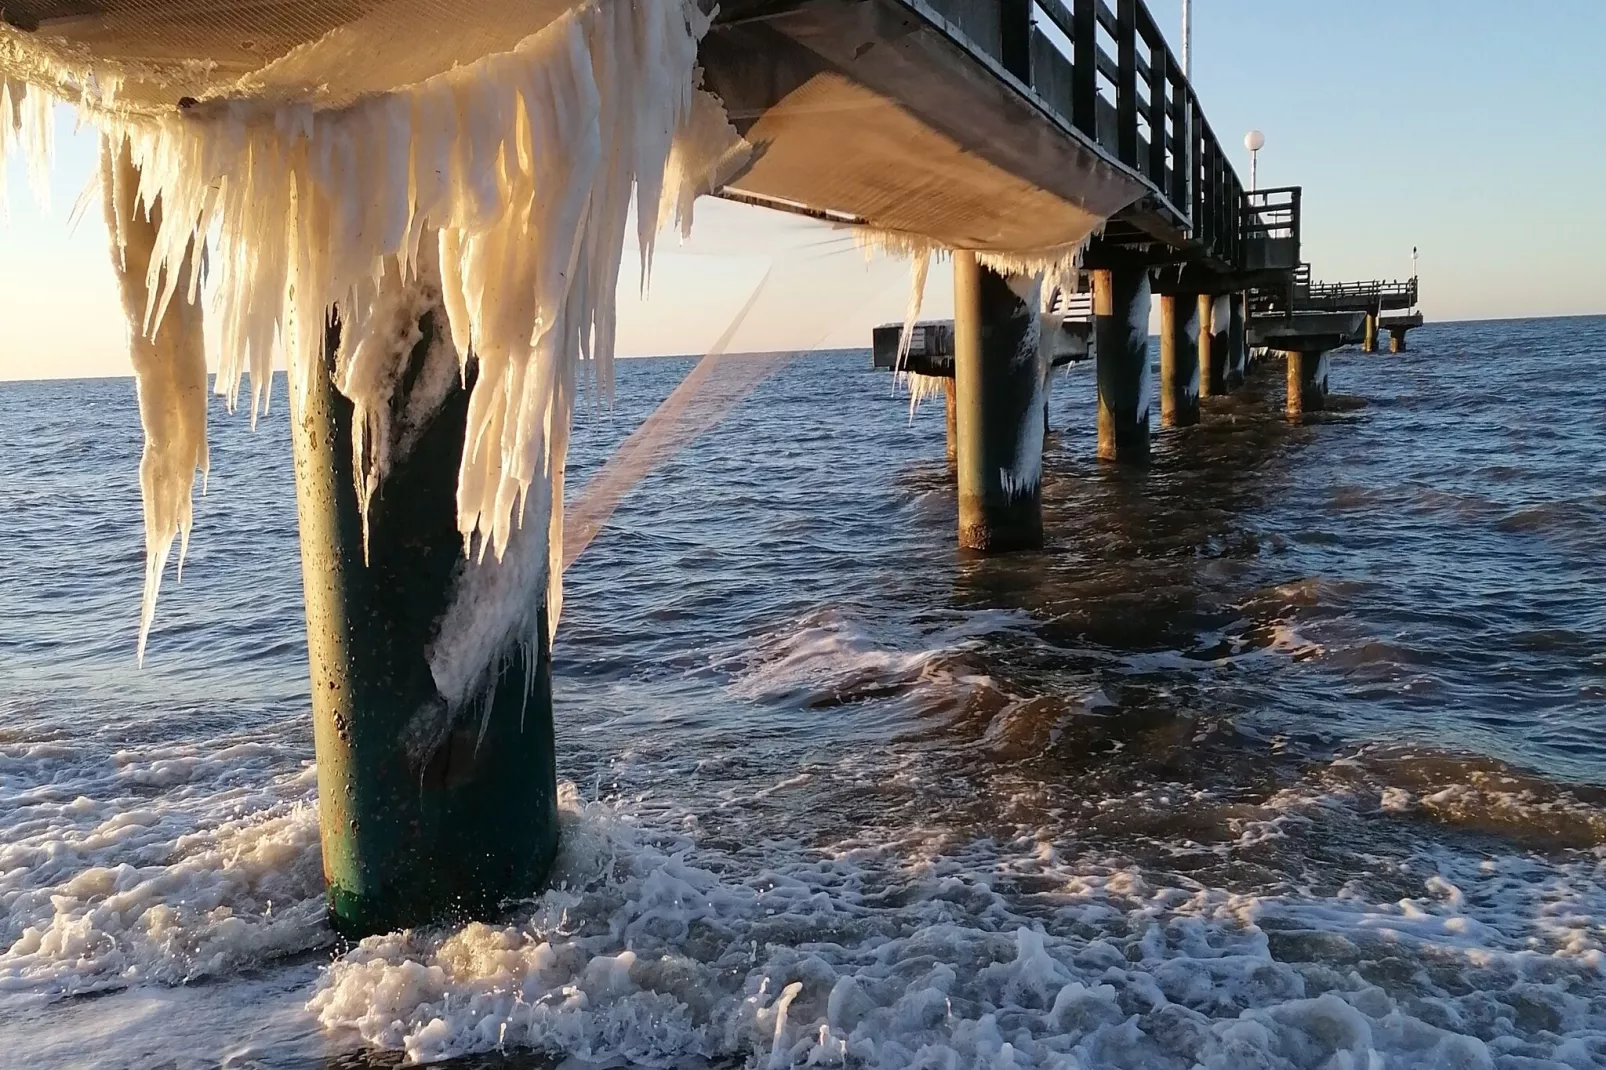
[1295, 740]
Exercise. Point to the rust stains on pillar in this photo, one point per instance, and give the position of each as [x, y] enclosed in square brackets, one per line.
[951, 404]
[1179, 360]
[1306, 383]
[998, 420]
[1121, 355]
[1208, 375]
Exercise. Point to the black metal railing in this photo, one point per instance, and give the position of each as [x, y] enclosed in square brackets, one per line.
[1270, 228]
[1374, 295]
[1300, 294]
[1108, 72]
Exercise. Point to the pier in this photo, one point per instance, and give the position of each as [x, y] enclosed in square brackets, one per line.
[1055, 150]
[1375, 299]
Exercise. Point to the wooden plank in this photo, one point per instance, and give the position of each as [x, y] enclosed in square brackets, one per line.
[1109, 67]
[1060, 16]
[1051, 75]
[1108, 20]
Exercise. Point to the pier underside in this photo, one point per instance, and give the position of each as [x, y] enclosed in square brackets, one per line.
[354, 141]
[869, 113]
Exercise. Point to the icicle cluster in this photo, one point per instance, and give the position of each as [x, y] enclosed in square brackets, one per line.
[500, 189]
[1052, 269]
[169, 359]
[25, 128]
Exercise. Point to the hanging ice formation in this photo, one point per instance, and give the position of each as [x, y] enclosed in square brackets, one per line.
[513, 175]
[169, 360]
[348, 154]
[1053, 269]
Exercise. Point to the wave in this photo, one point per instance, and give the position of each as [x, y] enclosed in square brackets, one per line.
[881, 951]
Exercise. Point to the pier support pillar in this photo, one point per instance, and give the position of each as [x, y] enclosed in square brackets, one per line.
[426, 813]
[1179, 360]
[1208, 375]
[1237, 347]
[1307, 383]
[998, 419]
[1396, 340]
[1121, 353]
[1369, 341]
[950, 398]
[1220, 343]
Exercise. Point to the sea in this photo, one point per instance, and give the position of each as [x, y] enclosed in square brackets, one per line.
[1287, 751]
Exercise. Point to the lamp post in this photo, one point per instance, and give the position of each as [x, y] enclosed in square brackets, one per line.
[1187, 39]
[1254, 141]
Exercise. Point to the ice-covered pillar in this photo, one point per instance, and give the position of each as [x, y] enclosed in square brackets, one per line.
[1237, 343]
[1179, 360]
[1307, 383]
[1121, 353]
[998, 419]
[1369, 341]
[427, 813]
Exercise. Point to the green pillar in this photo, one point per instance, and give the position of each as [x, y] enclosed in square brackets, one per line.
[1179, 360]
[423, 817]
[1121, 356]
[998, 421]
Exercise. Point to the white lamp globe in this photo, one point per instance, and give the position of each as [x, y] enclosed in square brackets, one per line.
[1254, 141]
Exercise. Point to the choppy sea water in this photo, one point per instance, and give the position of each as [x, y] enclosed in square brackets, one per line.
[1289, 751]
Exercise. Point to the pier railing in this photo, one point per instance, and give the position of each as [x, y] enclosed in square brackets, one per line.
[1271, 229]
[1376, 294]
[1108, 73]
[1303, 295]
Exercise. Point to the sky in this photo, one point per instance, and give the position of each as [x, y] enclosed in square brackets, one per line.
[1468, 129]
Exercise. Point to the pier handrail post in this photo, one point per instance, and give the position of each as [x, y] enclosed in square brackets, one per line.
[1015, 38]
[1126, 90]
[1085, 67]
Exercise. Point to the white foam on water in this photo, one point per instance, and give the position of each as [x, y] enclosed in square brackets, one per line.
[153, 865]
[932, 943]
[829, 652]
[915, 949]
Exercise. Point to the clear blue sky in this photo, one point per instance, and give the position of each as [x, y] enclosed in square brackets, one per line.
[1471, 129]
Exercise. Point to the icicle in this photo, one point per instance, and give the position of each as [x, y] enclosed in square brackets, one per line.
[170, 368]
[919, 386]
[25, 127]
